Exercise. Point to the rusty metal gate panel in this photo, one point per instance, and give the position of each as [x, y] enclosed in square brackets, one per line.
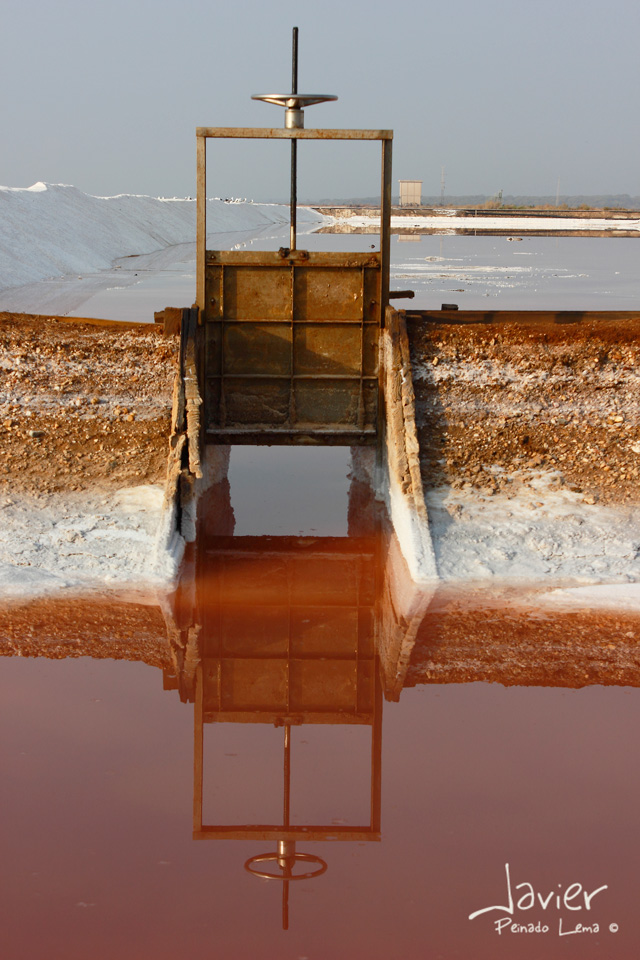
[291, 347]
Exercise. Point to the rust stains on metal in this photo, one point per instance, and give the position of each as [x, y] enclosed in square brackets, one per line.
[269, 258]
[280, 133]
[291, 347]
[520, 316]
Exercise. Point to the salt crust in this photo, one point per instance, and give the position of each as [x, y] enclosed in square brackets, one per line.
[538, 533]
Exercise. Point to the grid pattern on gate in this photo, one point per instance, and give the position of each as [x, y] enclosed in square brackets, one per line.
[291, 346]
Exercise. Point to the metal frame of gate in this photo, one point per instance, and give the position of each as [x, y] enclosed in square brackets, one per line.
[291, 338]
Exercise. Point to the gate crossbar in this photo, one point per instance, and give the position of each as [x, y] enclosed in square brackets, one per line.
[279, 133]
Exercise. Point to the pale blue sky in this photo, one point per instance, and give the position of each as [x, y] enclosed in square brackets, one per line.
[505, 94]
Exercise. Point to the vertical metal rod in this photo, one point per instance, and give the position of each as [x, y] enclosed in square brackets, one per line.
[294, 61]
[294, 193]
[285, 905]
[294, 144]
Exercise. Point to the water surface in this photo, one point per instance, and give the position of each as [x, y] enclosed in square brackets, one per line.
[98, 858]
[269, 705]
[477, 273]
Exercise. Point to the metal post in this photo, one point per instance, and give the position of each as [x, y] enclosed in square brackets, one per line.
[376, 751]
[385, 226]
[294, 143]
[198, 745]
[385, 260]
[201, 232]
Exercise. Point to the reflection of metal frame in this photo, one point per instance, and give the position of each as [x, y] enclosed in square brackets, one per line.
[279, 832]
[286, 637]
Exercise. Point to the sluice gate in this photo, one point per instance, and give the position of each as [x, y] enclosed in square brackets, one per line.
[284, 346]
[296, 347]
[288, 341]
[291, 347]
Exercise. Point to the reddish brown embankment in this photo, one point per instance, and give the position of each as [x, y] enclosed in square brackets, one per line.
[83, 405]
[499, 399]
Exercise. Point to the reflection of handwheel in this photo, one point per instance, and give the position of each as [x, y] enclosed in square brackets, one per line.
[286, 864]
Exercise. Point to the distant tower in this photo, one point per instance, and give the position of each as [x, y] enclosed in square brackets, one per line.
[442, 188]
[410, 193]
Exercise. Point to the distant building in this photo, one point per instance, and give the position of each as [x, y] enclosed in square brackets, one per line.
[410, 193]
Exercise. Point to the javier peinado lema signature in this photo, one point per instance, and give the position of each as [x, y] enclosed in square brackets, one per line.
[523, 897]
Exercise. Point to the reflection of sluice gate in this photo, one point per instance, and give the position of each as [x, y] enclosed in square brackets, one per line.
[288, 630]
[283, 633]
